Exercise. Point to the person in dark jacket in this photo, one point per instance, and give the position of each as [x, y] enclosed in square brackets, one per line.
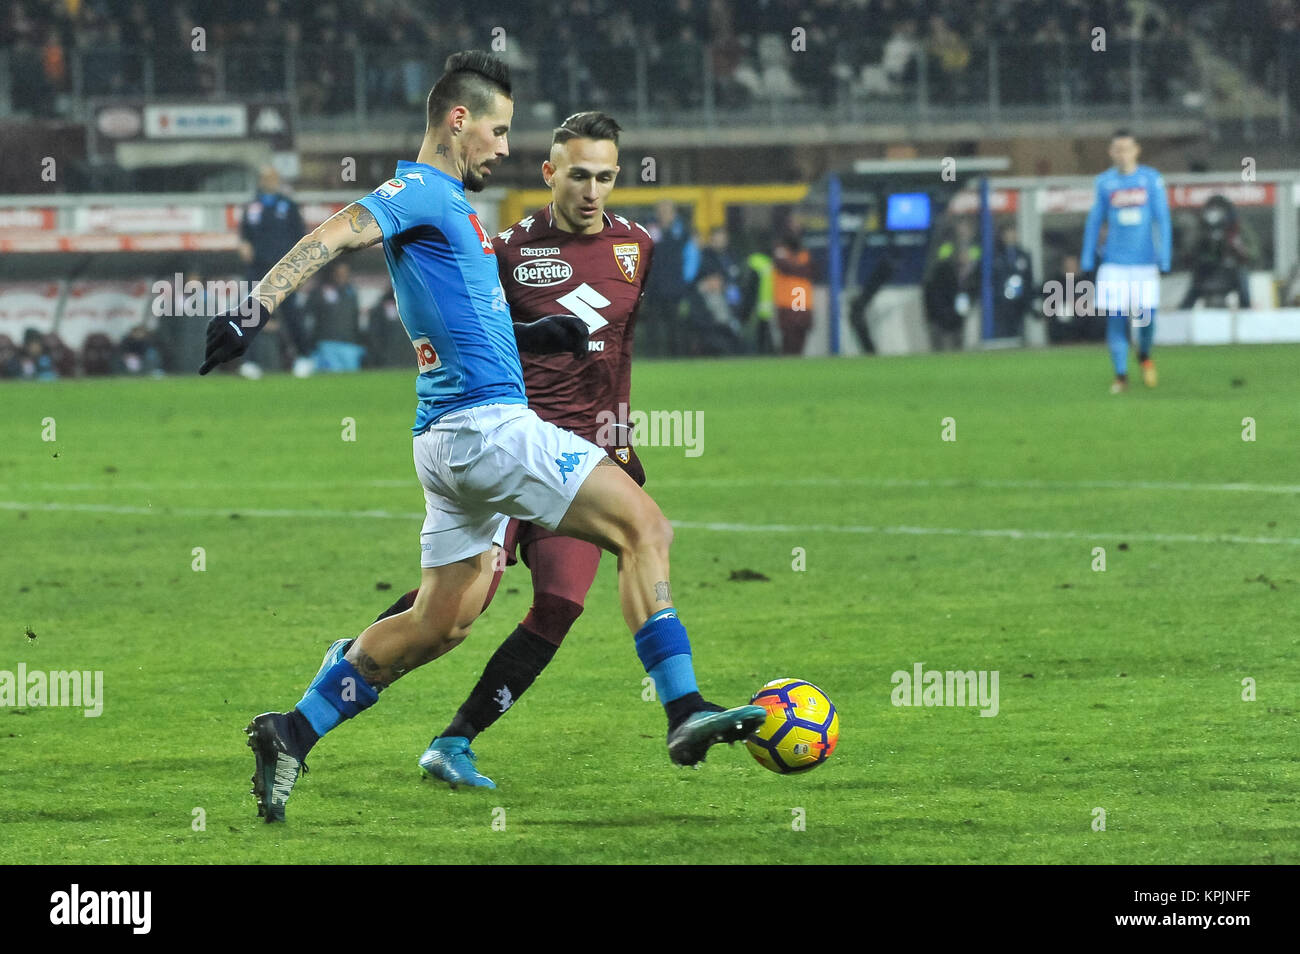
[1013, 277]
[334, 316]
[387, 343]
[676, 264]
[271, 225]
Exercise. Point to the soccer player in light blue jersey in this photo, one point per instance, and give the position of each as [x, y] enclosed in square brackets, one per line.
[1131, 200]
[481, 454]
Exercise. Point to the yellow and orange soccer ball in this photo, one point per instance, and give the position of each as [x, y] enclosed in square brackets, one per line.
[801, 730]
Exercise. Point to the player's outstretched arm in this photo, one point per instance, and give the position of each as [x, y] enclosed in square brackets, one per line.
[351, 228]
[1092, 229]
[230, 334]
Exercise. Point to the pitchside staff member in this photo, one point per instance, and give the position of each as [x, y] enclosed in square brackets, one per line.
[271, 225]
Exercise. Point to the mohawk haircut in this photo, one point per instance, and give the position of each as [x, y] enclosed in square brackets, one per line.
[589, 125]
[469, 79]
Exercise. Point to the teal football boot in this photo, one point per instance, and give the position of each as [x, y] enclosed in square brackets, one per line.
[690, 741]
[452, 761]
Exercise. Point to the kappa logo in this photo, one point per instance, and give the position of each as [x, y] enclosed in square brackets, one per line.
[415, 175]
[390, 188]
[628, 257]
[568, 463]
[426, 358]
[535, 252]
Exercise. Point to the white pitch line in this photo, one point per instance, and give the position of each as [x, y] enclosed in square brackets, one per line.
[994, 533]
[959, 483]
[165, 511]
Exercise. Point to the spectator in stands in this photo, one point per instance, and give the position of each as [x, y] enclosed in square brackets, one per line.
[63, 358]
[28, 87]
[719, 297]
[898, 64]
[98, 356]
[35, 364]
[774, 69]
[682, 63]
[271, 225]
[334, 317]
[139, 351]
[387, 343]
[792, 286]
[10, 358]
[949, 56]
[676, 264]
[1013, 277]
[53, 62]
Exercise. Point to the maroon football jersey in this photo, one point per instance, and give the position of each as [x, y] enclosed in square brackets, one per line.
[599, 278]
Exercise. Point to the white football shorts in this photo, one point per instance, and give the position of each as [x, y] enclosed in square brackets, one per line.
[485, 464]
[1128, 290]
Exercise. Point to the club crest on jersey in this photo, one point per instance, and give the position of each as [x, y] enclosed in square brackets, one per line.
[624, 454]
[628, 257]
[390, 188]
[426, 358]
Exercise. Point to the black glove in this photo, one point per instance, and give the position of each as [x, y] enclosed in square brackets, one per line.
[229, 336]
[626, 458]
[552, 335]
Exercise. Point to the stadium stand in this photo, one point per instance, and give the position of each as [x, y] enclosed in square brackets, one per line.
[727, 66]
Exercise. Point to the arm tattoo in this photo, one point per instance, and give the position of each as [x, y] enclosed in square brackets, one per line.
[359, 219]
[304, 260]
[310, 255]
[663, 592]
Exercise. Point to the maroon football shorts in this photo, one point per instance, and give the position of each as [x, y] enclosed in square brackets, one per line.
[562, 566]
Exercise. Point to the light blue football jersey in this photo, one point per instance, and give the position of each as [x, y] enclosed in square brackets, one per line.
[1131, 205]
[449, 294]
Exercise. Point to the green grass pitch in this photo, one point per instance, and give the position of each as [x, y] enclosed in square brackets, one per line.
[1124, 690]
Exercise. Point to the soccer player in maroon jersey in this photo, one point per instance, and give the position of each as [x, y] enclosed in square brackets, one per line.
[572, 257]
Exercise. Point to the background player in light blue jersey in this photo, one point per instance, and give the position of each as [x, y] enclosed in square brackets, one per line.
[480, 452]
[1131, 199]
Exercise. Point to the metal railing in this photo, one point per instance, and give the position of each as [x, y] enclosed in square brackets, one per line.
[686, 84]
